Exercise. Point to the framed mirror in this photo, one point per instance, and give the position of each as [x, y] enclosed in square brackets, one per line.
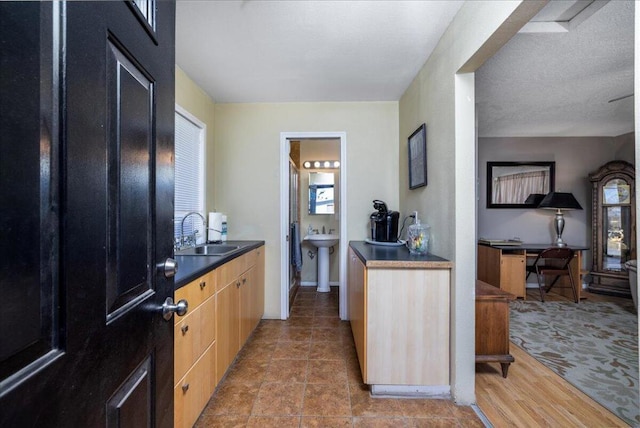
[519, 184]
[321, 193]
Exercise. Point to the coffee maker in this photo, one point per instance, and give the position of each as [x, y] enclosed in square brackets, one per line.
[384, 223]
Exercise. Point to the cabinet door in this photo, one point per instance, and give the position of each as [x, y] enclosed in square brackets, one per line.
[259, 287]
[357, 308]
[512, 274]
[193, 391]
[227, 326]
[247, 304]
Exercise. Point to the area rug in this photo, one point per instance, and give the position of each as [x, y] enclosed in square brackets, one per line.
[592, 345]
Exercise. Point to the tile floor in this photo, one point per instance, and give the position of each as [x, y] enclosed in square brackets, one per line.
[304, 372]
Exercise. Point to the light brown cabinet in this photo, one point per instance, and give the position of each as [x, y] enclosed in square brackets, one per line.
[505, 269]
[400, 323]
[194, 350]
[225, 306]
[239, 305]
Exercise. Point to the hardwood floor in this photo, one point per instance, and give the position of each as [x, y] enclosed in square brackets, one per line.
[532, 395]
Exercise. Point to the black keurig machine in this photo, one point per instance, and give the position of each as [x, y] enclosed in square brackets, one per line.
[384, 223]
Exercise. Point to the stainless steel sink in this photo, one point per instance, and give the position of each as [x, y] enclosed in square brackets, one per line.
[208, 250]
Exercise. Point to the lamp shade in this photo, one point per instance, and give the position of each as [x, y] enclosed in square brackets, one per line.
[559, 201]
[534, 199]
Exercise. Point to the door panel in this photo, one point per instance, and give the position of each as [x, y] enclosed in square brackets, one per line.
[29, 195]
[130, 107]
[88, 146]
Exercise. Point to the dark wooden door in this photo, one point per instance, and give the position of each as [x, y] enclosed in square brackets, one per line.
[86, 207]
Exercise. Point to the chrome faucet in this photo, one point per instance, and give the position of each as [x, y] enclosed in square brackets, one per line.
[323, 232]
[193, 239]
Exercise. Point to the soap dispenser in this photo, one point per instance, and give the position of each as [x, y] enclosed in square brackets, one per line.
[418, 238]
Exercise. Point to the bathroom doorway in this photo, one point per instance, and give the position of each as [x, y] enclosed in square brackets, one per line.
[299, 265]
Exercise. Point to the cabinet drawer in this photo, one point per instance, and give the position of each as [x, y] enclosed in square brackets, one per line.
[192, 335]
[196, 291]
[193, 391]
[232, 270]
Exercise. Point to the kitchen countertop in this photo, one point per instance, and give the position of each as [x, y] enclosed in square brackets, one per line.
[192, 267]
[376, 256]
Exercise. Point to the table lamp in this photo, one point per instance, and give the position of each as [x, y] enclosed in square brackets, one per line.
[559, 201]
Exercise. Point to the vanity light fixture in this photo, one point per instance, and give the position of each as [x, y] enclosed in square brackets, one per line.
[321, 164]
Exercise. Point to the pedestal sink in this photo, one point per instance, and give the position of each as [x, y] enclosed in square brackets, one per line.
[323, 242]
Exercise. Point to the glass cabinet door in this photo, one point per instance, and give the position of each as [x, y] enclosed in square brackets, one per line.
[613, 227]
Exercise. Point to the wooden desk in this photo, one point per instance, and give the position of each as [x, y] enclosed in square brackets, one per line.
[504, 266]
[492, 326]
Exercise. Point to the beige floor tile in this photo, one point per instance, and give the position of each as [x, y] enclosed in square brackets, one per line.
[332, 322]
[292, 351]
[425, 408]
[301, 322]
[279, 399]
[247, 370]
[301, 311]
[325, 422]
[326, 351]
[256, 350]
[233, 399]
[379, 422]
[326, 400]
[438, 423]
[221, 421]
[327, 371]
[362, 404]
[273, 422]
[287, 371]
[296, 334]
[326, 334]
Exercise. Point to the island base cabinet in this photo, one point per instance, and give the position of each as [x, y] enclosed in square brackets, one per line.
[193, 391]
[407, 327]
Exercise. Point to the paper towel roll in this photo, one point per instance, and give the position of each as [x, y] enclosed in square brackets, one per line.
[215, 227]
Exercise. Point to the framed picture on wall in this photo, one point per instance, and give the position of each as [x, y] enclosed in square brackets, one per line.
[418, 158]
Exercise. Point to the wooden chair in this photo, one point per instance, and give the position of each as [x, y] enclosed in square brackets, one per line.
[553, 262]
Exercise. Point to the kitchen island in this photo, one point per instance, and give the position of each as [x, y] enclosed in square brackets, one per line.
[399, 312]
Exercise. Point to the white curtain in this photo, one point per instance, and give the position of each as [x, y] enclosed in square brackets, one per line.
[515, 188]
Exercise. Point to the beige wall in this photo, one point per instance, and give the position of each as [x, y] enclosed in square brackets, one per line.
[247, 170]
[445, 102]
[193, 99]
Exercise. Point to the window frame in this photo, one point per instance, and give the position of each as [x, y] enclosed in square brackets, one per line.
[202, 174]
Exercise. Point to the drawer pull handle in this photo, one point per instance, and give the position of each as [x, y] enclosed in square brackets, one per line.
[238, 284]
[185, 387]
[185, 329]
[244, 280]
[203, 284]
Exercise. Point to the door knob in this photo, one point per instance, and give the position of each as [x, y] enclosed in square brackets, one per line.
[168, 268]
[168, 308]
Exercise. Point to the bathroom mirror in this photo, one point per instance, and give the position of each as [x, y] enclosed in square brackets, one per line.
[519, 184]
[321, 193]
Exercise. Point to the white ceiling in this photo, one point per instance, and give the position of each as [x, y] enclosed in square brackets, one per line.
[559, 84]
[539, 84]
[280, 51]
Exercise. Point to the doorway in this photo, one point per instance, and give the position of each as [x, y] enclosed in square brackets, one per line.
[286, 209]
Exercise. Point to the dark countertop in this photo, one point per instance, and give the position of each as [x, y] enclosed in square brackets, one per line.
[376, 256]
[192, 267]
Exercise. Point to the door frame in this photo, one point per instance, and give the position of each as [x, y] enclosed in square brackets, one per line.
[284, 215]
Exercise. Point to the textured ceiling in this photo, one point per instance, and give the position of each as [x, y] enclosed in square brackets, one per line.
[559, 84]
[279, 51]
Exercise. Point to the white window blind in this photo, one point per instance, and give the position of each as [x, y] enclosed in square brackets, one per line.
[189, 172]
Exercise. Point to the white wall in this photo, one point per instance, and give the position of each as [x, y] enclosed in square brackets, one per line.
[445, 102]
[246, 168]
